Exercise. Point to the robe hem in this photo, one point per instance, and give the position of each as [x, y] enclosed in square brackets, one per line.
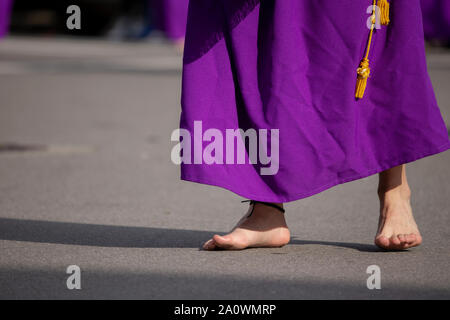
[392, 163]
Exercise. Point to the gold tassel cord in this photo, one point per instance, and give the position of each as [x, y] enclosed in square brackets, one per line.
[363, 71]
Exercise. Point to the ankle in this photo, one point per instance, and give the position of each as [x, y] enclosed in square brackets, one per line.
[264, 209]
[400, 192]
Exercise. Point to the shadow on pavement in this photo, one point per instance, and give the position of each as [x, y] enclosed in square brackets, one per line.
[99, 284]
[363, 247]
[123, 236]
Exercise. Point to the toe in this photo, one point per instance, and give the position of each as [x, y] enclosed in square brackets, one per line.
[415, 240]
[411, 238]
[395, 241]
[382, 242]
[224, 242]
[209, 245]
[418, 239]
[402, 238]
[206, 244]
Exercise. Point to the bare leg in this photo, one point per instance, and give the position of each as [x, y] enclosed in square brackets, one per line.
[265, 227]
[397, 228]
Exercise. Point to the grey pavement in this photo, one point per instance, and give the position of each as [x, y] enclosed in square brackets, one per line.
[97, 189]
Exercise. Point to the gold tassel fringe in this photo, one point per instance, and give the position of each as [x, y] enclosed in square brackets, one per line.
[363, 74]
[384, 12]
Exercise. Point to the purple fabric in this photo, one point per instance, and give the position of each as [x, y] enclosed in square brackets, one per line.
[171, 17]
[5, 12]
[436, 19]
[292, 65]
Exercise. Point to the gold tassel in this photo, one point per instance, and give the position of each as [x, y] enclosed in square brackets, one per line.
[363, 74]
[364, 71]
[384, 12]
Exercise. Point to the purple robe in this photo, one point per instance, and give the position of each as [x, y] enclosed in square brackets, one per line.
[5, 12]
[291, 65]
[171, 17]
[436, 19]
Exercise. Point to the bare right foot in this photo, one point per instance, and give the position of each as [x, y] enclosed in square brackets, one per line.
[265, 227]
[397, 229]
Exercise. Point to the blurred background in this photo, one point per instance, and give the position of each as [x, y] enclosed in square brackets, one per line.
[86, 117]
[110, 19]
[138, 19]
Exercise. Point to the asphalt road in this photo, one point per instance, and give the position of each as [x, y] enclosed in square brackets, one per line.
[86, 179]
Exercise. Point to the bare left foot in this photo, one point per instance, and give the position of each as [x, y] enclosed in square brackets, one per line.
[265, 227]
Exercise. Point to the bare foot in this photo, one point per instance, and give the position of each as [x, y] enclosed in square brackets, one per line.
[265, 227]
[397, 229]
